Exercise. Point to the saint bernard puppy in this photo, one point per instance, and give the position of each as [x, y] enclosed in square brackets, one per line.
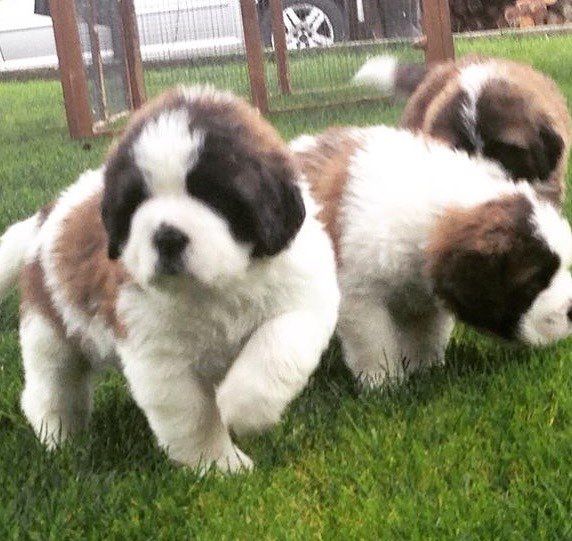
[425, 234]
[194, 260]
[497, 108]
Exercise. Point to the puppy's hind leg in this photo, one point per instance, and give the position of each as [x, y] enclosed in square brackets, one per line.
[425, 339]
[57, 396]
[182, 412]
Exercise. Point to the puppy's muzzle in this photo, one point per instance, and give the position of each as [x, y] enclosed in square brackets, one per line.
[170, 244]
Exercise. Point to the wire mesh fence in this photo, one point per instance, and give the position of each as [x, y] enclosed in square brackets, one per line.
[190, 41]
[102, 47]
[185, 41]
[103, 51]
[325, 76]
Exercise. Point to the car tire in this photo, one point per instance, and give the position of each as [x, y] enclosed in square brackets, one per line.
[334, 15]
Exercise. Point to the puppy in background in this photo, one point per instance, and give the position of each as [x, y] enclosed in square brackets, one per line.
[424, 235]
[194, 261]
[503, 110]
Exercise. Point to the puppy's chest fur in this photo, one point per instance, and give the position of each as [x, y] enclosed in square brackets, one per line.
[206, 329]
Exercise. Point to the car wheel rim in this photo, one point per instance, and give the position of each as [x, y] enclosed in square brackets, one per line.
[306, 27]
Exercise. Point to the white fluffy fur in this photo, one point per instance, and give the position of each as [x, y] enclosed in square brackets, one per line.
[226, 346]
[212, 255]
[12, 251]
[379, 72]
[399, 184]
[57, 397]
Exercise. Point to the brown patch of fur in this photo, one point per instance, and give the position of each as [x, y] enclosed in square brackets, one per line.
[36, 296]
[487, 229]
[435, 83]
[325, 165]
[408, 77]
[89, 279]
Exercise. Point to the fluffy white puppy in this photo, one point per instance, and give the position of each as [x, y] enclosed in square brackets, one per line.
[425, 234]
[192, 259]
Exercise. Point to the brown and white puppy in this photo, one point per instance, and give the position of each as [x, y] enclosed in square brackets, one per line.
[425, 234]
[193, 260]
[506, 111]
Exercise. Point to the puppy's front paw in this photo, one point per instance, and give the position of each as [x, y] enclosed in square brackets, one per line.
[245, 411]
[229, 460]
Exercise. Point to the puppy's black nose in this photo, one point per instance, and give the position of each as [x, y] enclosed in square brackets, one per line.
[170, 241]
[569, 314]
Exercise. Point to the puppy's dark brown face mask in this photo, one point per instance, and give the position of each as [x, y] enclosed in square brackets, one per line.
[504, 127]
[489, 264]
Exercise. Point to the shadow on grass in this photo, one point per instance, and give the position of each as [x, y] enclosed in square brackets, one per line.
[472, 362]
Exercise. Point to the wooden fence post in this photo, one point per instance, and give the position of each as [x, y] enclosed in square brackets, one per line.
[132, 54]
[254, 54]
[280, 50]
[72, 72]
[437, 29]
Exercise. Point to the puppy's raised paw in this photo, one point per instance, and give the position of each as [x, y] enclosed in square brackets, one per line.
[245, 411]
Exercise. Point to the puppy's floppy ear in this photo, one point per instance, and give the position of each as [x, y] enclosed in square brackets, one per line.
[552, 145]
[274, 202]
[255, 191]
[123, 192]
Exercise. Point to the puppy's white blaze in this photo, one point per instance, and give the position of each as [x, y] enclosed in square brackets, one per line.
[547, 321]
[555, 230]
[166, 150]
[212, 254]
[379, 72]
[472, 79]
[97, 337]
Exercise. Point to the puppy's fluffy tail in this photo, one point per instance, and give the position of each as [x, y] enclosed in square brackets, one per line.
[390, 76]
[14, 245]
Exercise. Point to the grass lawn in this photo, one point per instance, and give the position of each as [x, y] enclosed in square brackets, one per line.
[481, 449]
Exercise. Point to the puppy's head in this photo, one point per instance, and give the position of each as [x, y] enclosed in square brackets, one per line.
[198, 185]
[507, 113]
[503, 267]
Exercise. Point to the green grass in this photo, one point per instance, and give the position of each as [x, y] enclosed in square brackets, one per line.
[481, 449]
